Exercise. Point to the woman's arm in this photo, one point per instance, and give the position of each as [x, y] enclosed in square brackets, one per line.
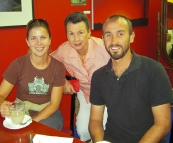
[54, 105]
[1, 99]
[5, 89]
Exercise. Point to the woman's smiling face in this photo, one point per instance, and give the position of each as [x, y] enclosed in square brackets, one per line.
[38, 40]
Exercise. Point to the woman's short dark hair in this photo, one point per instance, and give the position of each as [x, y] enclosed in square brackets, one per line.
[77, 17]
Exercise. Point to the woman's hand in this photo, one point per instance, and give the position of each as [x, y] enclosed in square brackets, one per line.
[68, 88]
[4, 109]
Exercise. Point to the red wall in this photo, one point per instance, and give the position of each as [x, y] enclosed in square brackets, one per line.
[13, 45]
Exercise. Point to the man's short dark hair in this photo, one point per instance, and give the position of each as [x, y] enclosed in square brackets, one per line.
[116, 17]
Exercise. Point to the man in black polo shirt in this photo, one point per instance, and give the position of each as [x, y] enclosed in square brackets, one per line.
[135, 89]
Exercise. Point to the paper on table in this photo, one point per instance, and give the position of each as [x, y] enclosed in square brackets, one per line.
[51, 139]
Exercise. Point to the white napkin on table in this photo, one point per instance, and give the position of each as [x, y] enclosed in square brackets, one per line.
[51, 139]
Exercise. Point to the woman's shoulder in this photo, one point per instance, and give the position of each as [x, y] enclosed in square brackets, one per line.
[21, 59]
[55, 62]
[96, 41]
[64, 45]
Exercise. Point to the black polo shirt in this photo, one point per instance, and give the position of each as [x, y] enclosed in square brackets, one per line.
[129, 98]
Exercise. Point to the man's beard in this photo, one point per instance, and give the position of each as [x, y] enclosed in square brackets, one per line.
[115, 55]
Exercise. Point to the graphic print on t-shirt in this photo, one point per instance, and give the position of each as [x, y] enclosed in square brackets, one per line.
[38, 86]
